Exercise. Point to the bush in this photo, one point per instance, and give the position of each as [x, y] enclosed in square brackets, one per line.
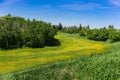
[114, 35]
[101, 34]
[98, 34]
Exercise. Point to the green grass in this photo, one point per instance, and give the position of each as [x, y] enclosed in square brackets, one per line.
[105, 66]
[71, 47]
[57, 63]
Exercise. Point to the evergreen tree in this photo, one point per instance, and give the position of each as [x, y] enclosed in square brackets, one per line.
[60, 26]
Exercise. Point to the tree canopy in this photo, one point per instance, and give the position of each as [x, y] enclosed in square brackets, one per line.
[102, 34]
[18, 32]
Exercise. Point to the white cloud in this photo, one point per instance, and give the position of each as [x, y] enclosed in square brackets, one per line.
[76, 6]
[115, 2]
[84, 6]
[1, 14]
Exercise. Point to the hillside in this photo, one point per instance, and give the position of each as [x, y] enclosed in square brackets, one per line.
[71, 47]
[104, 66]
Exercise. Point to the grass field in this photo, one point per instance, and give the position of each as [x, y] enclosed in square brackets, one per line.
[71, 47]
[105, 66]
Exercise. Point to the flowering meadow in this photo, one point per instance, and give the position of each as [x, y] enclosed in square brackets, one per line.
[71, 47]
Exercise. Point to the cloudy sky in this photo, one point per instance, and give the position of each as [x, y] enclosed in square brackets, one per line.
[96, 13]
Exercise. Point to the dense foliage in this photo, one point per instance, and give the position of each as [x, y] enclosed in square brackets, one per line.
[72, 29]
[102, 34]
[18, 32]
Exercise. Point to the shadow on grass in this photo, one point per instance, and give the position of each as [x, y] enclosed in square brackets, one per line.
[53, 42]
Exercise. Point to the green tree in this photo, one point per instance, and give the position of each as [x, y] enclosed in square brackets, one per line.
[60, 26]
[18, 32]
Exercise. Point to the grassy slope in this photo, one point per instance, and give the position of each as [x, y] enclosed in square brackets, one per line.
[92, 67]
[71, 46]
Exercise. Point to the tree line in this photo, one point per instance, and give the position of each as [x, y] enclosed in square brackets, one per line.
[17, 32]
[103, 34]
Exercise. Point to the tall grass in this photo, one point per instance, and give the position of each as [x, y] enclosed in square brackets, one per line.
[105, 66]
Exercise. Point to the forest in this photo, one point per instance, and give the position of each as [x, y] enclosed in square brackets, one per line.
[103, 34]
[17, 32]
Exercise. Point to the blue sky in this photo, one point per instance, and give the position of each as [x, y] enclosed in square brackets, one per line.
[96, 13]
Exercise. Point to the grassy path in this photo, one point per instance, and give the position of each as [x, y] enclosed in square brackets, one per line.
[71, 47]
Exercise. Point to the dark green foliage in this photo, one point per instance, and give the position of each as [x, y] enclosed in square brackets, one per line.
[76, 29]
[114, 35]
[98, 34]
[101, 34]
[60, 26]
[17, 32]
[71, 29]
[84, 31]
[10, 35]
[110, 26]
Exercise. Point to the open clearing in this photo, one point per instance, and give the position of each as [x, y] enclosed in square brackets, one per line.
[71, 47]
